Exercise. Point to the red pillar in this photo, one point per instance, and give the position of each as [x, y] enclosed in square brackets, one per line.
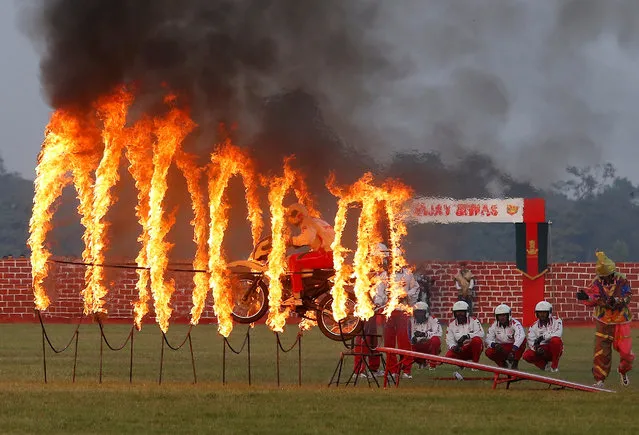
[533, 287]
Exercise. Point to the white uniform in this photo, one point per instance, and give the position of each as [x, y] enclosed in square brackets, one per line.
[316, 233]
[431, 328]
[512, 334]
[455, 331]
[408, 282]
[554, 328]
[379, 294]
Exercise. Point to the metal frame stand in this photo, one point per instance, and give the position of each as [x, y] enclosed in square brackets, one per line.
[278, 348]
[247, 343]
[45, 339]
[166, 340]
[104, 340]
[364, 355]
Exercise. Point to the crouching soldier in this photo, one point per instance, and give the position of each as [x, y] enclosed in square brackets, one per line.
[506, 339]
[426, 333]
[464, 336]
[545, 344]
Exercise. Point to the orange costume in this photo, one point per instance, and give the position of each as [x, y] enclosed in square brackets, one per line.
[610, 294]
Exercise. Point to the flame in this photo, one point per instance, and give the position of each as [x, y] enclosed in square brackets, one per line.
[278, 187]
[365, 194]
[84, 157]
[342, 270]
[309, 322]
[247, 171]
[51, 178]
[112, 110]
[90, 147]
[193, 175]
[366, 240]
[304, 195]
[227, 162]
[138, 153]
[277, 260]
[170, 131]
[398, 194]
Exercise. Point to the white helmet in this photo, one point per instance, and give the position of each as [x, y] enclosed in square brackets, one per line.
[543, 306]
[380, 255]
[295, 209]
[502, 309]
[422, 306]
[381, 250]
[460, 306]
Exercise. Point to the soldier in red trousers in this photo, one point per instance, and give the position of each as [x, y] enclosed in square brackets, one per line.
[506, 339]
[464, 336]
[545, 344]
[396, 329]
[426, 333]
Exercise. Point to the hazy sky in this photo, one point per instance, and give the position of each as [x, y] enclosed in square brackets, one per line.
[537, 84]
[23, 112]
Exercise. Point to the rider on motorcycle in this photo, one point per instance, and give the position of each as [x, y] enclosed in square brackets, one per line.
[315, 233]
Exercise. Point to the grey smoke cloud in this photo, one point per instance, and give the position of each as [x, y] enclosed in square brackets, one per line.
[537, 85]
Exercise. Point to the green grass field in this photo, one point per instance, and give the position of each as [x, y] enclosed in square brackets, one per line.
[28, 405]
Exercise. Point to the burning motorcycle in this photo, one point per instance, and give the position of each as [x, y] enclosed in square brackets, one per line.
[250, 295]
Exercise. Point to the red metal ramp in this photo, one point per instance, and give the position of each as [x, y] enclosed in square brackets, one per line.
[509, 375]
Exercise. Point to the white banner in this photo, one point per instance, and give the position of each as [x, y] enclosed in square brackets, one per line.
[449, 211]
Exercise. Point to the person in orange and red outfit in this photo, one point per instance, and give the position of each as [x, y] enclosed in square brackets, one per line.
[610, 295]
[545, 344]
[464, 336]
[506, 339]
[315, 233]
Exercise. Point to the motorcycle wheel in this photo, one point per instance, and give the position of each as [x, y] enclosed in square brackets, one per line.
[346, 328]
[250, 308]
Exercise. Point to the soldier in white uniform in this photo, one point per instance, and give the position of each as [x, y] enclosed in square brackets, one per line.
[506, 339]
[464, 336]
[396, 329]
[545, 344]
[426, 333]
[365, 345]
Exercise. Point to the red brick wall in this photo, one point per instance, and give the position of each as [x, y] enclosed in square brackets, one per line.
[497, 282]
[65, 283]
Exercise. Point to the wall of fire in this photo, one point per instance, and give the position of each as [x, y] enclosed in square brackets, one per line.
[497, 282]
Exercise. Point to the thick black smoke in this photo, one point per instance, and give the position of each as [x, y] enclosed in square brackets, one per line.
[267, 70]
[519, 81]
[258, 65]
